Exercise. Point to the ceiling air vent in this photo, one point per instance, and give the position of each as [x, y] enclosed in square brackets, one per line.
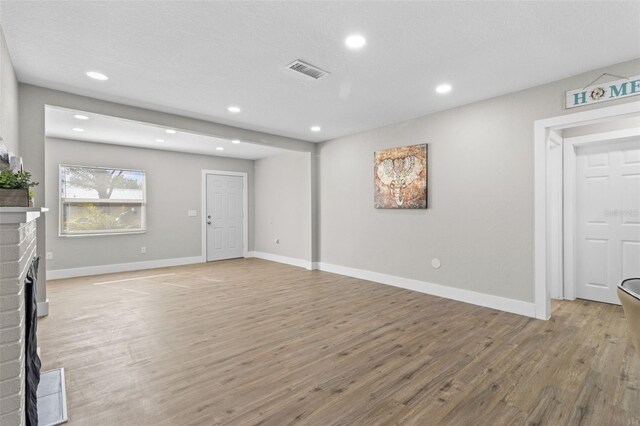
[306, 69]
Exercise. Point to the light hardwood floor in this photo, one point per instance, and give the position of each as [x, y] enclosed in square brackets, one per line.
[247, 342]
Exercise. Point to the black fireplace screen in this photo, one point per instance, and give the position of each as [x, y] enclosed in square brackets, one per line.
[32, 360]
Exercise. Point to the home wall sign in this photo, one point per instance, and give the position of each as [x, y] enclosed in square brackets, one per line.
[603, 92]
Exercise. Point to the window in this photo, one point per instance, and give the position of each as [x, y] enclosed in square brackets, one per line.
[97, 201]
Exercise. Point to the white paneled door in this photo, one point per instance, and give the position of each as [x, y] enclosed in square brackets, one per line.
[224, 217]
[607, 218]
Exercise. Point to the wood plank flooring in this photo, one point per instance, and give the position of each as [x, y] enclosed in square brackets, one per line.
[247, 342]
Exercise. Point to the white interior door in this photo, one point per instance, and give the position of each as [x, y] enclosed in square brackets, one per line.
[224, 217]
[607, 218]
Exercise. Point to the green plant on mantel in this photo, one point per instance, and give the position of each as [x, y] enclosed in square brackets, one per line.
[14, 189]
[16, 180]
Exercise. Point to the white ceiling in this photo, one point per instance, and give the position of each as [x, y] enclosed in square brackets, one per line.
[60, 122]
[196, 58]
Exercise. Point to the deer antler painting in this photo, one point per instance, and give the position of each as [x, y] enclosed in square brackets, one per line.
[400, 176]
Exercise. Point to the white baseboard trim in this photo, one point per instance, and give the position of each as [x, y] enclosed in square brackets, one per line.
[282, 259]
[57, 274]
[43, 308]
[489, 301]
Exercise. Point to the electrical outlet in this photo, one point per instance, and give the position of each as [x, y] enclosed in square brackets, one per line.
[143, 250]
[49, 255]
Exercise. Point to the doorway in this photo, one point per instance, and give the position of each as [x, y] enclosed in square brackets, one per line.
[558, 244]
[224, 220]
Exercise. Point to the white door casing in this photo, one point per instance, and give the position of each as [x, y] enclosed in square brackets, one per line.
[224, 216]
[554, 216]
[542, 129]
[607, 218]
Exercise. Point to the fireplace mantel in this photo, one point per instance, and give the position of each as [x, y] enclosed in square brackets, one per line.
[20, 214]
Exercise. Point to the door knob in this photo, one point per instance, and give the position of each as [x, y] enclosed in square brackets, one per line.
[208, 222]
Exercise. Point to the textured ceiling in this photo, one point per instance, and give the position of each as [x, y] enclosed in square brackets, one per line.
[196, 58]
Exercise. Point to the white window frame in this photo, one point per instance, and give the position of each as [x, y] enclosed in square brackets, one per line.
[62, 201]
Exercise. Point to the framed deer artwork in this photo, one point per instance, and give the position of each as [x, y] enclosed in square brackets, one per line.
[400, 178]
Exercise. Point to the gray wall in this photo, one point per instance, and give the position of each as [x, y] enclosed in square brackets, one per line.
[283, 205]
[174, 183]
[9, 101]
[607, 126]
[480, 217]
[32, 101]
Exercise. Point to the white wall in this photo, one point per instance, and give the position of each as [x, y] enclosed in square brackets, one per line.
[174, 183]
[479, 222]
[283, 205]
[9, 100]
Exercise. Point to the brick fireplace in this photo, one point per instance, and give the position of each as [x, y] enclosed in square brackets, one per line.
[17, 250]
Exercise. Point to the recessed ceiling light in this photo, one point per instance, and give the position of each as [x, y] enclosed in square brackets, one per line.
[355, 41]
[443, 88]
[97, 75]
[234, 109]
[219, 148]
[81, 117]
[236, 141]
[316, 128]
[170, 131]
[159, 140]
[77, 129]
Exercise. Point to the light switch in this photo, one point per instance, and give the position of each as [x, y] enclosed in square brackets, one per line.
[192, 213]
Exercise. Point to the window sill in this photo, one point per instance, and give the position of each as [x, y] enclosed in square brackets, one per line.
[101, 234]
